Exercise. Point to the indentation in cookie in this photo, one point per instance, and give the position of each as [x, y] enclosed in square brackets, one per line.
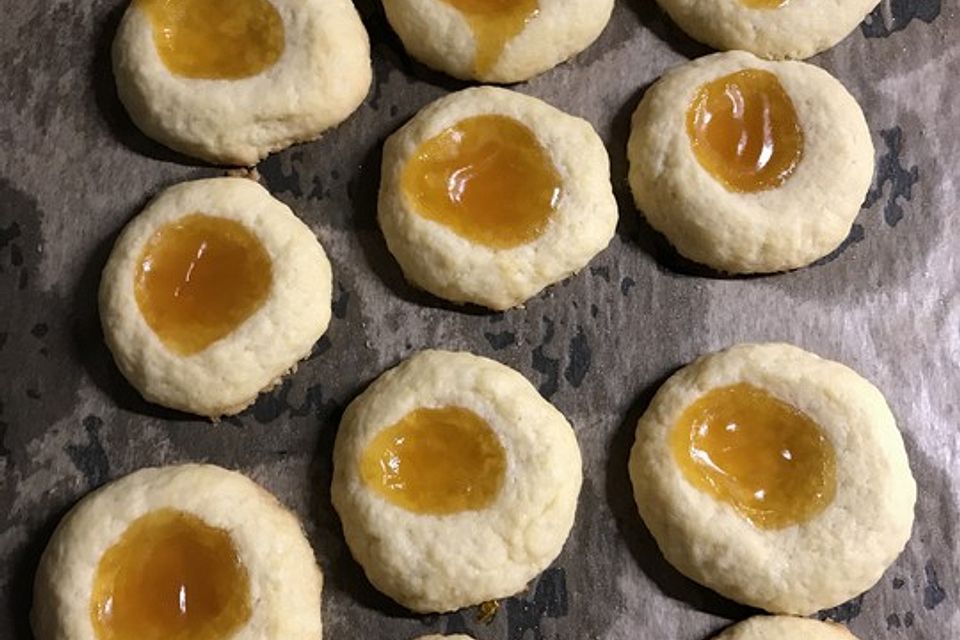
[436, 461]
[488, 179]
[199, 278]
[170, 576]
[216, 39]
[744, 130]
[766, 458]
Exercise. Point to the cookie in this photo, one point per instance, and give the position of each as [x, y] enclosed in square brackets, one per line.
[229, 81]
[769, 28]
[488, 196]
[750, 166]
[785, 628]
[496, 41]
[211, 294]
[178, 552]
[455, 481]
[774, 477]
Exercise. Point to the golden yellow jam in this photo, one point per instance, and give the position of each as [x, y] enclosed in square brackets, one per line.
[488, 179]
[744, 131]
[436, 461]
[216, 39]
[199, 278]
[494, 23]
[170, 577]
[763, 456]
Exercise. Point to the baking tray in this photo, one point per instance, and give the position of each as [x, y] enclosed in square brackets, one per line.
[74, 170]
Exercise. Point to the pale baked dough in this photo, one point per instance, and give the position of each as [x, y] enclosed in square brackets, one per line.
[438, 34]
[799, 569]
[225, 377]
[434, 563]
[322, 76]
[785, 628]
[285, 582]
[790, 226]
[450, 266]
[798, 29]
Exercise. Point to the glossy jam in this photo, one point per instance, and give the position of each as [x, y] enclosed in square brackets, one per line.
[198, 279]
[494, 23]
[744, 131]
[763, 456]
[436, 461]
[488, 179]
[216, 39]
[170, 577]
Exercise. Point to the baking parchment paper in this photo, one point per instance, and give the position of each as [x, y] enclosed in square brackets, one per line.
[73, 170]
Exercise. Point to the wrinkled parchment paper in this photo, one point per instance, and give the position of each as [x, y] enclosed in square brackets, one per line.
[73, 170]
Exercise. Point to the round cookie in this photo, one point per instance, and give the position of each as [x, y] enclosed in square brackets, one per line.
[785, 628]
[776, 478]
[496, 41]
[130, 559]
[488, 196]
[455, 481]
[786, 198]
[212, 294]
[230, 82]
[769, 28]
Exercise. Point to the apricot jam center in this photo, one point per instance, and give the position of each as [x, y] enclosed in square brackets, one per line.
[494, 23]
[216, 39]
[766, 458]
[744, 131]
[170, 577]
[199, 278]
[488, 179]
[436, 461]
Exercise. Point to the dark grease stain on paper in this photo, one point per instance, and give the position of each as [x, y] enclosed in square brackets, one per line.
[90, 458]
[15, 204]
[933, 592]
[4, 451]
[895, 15]
[34, 323]
[580, 359]
[500, 341]
[845, 612]
[544, 364]
[549, 601]
[456, 624]
[895, 622]
[890, 171]
[322, 345]
[280, 180]
[601, 272]
[272, 405]
[341, 302]
[8, 233]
